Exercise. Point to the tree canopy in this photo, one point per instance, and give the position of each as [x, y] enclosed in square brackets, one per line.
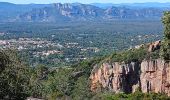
[165, 48]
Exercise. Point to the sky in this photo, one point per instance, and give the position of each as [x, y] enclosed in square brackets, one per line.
[80, 1]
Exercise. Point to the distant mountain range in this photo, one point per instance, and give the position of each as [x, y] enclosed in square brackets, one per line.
[9, 11]
[76, 11]
[134, 5]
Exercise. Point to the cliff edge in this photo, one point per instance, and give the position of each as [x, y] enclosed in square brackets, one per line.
[147, 75]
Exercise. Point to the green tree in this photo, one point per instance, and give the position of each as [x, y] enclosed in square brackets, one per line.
[36, 84]
[165, 49]
[57, 84]
[14, 77]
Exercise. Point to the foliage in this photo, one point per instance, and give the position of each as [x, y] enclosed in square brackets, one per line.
[80, 84]
[134, 96]
[129, 55]
[19, 82]
[37, 77]
[14, 77]
[165, 48]
[57, 83]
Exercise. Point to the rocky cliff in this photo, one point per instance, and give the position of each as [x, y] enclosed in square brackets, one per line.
[84, 12]
[147, 76]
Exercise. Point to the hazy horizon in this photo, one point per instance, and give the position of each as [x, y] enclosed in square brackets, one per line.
[82, 1]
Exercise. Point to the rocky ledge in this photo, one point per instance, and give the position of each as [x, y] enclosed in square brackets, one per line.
[147, 76]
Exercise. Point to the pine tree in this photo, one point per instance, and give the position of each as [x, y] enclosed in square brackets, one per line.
[165, 48]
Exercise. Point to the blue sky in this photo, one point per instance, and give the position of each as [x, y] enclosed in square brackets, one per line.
[81, 1]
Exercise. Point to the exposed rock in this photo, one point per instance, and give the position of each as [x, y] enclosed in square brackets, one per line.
[116, 77]
[148, 76]
[155, 76]
[154, 46]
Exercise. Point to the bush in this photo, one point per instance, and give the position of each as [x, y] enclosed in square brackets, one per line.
[165, 48]
[14, 77]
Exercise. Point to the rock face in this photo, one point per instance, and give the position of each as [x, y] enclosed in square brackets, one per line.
[155, 76]
[154, 46]
[148, 76]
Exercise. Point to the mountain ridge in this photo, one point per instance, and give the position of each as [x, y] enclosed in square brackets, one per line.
[75, 11]
[141, 5]
[89, 12]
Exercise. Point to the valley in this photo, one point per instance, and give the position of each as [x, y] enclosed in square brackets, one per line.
[91, 51]
[57, 44]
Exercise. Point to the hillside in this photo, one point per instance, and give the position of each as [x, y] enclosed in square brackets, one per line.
[139, 69]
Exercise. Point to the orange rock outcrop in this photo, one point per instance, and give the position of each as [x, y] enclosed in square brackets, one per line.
[148, 76]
